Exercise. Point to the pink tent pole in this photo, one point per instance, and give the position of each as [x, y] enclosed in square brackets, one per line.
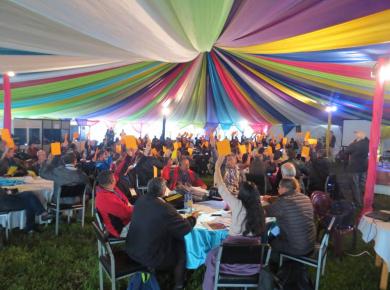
[7, 102]
[375, 133]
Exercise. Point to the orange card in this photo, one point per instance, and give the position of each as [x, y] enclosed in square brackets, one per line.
[284, 141]
[277, 147]
[305, 151]
[76, 135]
[55, 148]
[268, 151]
[118, 149]
[155, 172]
[5, 135]
[312, 141]
[242, 149]
[10, 143]
[190, 150]
[223, 148]
[131, 142]
[307, 135]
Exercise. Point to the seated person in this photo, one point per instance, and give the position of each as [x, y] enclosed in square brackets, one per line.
[319, 170]
[231, 177]
[102, 160]
[295, 217]
[248, 223]
[64, 173]
[8, 161]
[24, 201]
[113, 206]
[156, 234]
[184, 175]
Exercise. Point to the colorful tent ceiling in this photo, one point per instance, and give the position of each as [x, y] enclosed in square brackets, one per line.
[217, 61]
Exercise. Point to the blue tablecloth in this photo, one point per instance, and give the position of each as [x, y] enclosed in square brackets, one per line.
[199, 242]
[5, 182]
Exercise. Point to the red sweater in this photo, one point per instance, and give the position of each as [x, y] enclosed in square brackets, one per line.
[194, 179]
[114, 208]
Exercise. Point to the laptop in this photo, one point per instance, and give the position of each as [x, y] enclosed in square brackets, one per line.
[379, 215]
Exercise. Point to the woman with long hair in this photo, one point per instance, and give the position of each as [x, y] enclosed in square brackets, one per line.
[248, 224]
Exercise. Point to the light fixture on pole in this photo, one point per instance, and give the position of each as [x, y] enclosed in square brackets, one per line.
[329, 109]
[165, 111]
[7, 99]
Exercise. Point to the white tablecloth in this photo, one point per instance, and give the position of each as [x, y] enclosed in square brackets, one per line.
[379, 231]
[42, 188]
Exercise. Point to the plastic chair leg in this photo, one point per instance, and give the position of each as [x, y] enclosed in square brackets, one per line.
[318, 276]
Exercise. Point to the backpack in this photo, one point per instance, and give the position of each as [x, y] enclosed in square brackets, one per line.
[143, 281]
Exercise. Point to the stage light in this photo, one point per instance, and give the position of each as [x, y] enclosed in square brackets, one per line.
[330, 109]
[384, 73]
[165, 111]
[11, 74]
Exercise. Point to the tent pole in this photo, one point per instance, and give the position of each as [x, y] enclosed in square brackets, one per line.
[375, 132]
[7, 102]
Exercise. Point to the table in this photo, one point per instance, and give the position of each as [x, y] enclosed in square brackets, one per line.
[382, 184]
[202, 239]
[379, 231]
[42, 188]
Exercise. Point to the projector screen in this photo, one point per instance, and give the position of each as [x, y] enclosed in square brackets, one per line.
[349, 126]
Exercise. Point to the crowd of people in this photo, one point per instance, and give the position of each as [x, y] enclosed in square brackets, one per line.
[154, 230]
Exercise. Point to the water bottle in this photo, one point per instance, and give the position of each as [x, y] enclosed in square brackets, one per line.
[188, 201]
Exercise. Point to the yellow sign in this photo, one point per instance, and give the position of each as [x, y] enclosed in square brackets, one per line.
[242, 149]
[307, 135]
[55, 148]
[155, 172]
[223, 148]
[277, 147]
[305, 151]
[190, 150]
[284, 141]
[5, 135]
[268, 151]
[312, 141]
[118, 149]
[131, 142]
[174, 154]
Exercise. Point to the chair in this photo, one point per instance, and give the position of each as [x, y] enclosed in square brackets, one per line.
[321, 203]
[69, 191]
[116, 264]
[93, 196]
[6, 217]
[317, 259]
[142, 189]
[102, 227]
[254, 253]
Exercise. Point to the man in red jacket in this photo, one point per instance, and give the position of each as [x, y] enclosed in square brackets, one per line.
[184, 175]
[113, 206]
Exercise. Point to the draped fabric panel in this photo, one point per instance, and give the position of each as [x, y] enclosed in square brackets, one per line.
[217, 62]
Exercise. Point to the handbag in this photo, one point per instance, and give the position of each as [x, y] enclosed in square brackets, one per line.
[143, 281]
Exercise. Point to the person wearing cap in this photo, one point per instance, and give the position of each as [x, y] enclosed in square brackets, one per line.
[357, 165]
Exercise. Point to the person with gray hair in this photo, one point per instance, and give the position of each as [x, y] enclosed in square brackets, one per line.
[288, 170]
[156, 233]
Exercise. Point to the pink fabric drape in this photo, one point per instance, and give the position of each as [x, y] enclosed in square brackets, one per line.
[7, 102]
[375, 133]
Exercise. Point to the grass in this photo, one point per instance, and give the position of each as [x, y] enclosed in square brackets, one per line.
[69, 261]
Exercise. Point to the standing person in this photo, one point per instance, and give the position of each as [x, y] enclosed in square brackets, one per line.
[358, 165]
[156, 233]
[332, 145]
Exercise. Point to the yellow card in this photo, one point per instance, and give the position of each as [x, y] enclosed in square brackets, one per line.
[305, 151]
[10, 143]
[75, 135]
[176, 145]
[223, 148]
[190, 150]
[277, 147]
[312, 141]
[242, 149]
[268, 151]
[131, 142]
[307, 135]
[284, 141]
[118, 149]
[174, 154]
[5, 135]
[155, 172]
[55, 148]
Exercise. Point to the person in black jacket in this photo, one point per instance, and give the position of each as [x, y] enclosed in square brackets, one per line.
[295, 216]
[358, 165]
[156, 234]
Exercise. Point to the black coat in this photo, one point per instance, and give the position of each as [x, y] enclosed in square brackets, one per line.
[358, 156]
[155, 225]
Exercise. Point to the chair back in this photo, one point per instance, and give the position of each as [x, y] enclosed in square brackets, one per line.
[99, 221]
[72, 190]
[321, 203]
[102, 238]
[244, 253]
[325, 239]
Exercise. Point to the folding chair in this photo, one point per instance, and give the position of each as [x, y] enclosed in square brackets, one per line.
[102, 227]
[318, 258]
[143, 189]
[242, 253]
[68, 191]
[116, 264]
